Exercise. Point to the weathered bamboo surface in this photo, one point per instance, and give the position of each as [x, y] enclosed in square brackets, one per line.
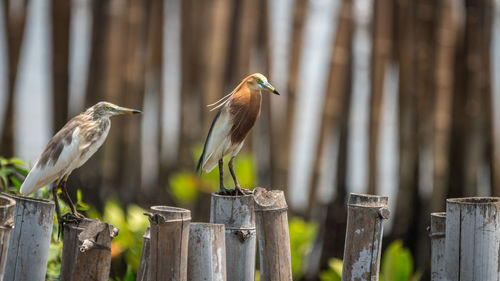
[142, 272]
[7, 209]
[169, 243]
[237, 214]
[363, 241]
[29, 241]
[274, 239]
[472, 238]
[207, 252]
[437, 235]
[87, 251]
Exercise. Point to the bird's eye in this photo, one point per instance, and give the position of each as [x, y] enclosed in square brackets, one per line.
[258, 80]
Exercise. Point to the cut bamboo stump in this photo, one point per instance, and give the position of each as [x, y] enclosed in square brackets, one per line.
[472, 238]
[237, 215]
[437, 235]
[29, 241]
[7, 209]
[207, 252]
[363, 242]
[87, 251]
[142, 272]
[274, 239]
[169, 243]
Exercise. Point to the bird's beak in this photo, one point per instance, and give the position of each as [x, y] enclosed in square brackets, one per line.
[270, 88]
[124, 110]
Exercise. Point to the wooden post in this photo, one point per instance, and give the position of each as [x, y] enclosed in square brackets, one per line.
[29, 241]
[169, 243]
[7, 208]
[237, 214]
[363, 240]
[142, 272]
[274, 239]
[207, 252]
[472, 238]
[87, 251]
[437, 235]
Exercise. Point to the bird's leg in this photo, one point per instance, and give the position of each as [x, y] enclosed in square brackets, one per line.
[237, 186]
[222, 189]
[58, 209]
[76, 214]
[60, 219]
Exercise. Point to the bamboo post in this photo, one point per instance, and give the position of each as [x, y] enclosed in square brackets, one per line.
[437, 235]
[142, 272]
[7, 209]
[274, 239]
[472, 238]
[87, 250]
[207, 252]
[169, 243]
[237, 214]
[363, 240]
[29, 241]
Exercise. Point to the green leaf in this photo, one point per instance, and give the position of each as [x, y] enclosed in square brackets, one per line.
[334, 272]
[302, 236]
[397, 263]
[15, 181]
[184, 188]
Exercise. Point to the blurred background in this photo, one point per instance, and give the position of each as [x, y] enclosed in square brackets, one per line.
[392, 97]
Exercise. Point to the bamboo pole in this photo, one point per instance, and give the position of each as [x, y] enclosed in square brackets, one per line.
[142, 272]
[363, 240]
[29, 241]
[237, 214]
[472, 238]
[169, 243]
[7, 208]
[437, 235]
[86, 251]
[274, 239]
[207, 252]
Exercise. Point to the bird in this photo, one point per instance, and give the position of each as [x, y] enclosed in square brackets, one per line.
[69, 149]
[236, 116]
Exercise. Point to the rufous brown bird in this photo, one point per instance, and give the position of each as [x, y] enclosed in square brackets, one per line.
[237, 114]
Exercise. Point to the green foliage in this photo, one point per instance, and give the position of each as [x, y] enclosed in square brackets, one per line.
[186, 186]
[334, 272]
[54, 261]
[302, 236]
[397, 265]
[12, 173]
[132, 224]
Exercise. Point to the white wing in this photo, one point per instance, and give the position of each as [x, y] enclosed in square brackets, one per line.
[41, 175]
[218, 141]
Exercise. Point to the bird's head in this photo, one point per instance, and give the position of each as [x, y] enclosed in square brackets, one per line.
[108, 109]
[258, 81]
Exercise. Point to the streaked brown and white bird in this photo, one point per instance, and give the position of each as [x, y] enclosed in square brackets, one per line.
[237, 115]
[69, 149]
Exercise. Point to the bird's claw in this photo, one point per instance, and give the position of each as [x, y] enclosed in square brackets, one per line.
[241, 191]
[223, 191]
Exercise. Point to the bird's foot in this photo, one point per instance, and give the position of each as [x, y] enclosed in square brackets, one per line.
[223, 191]
[241, 191]
[77, 215]
[67, 218]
